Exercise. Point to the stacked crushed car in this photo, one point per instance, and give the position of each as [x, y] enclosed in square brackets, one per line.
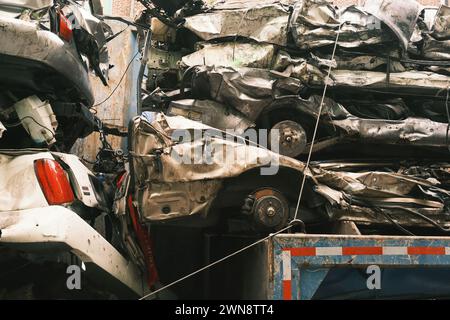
[383, 134]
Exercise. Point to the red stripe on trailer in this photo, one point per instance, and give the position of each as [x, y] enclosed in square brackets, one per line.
[302, 252]
[372, 251]
[287, 290]
[362, 251]
[426, 250]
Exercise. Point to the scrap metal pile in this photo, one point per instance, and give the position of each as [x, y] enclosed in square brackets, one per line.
[264, 64]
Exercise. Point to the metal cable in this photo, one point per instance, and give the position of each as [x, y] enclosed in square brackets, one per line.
[448, 119]
[215, 263]
[319, 113]
[20, 123]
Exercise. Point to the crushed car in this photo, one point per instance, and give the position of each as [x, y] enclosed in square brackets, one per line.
[243, 64]
[179, 178]
[55, 213]
[389, 72]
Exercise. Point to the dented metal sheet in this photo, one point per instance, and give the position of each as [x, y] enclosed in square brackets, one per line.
[368, 63]
[2, 129]
[232, 54]
[248, 90]
[174, 179]
[435, 49]
[244, 4]
[30, 4]
[263, 22]
[263, 64]
[415, 131]
[420, 82]
[210, 113]
[400, 16]
[441, 23]
[168, 189]
[157, 135]
[316, 23]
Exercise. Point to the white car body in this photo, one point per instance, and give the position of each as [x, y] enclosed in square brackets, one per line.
[29, 224]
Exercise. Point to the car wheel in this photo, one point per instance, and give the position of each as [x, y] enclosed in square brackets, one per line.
[268, 208]
[290, 138]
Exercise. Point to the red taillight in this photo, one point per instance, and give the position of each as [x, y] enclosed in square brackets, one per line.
[54, 182]
[65, 28]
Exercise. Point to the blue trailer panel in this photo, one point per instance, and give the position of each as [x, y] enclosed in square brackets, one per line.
[357, 267]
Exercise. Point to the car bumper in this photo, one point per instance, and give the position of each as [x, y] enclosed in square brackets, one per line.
[58, 228]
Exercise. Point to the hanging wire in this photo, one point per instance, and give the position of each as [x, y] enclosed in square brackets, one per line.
[448, 119]
[327, 79]
[118, 85]
[215, 263]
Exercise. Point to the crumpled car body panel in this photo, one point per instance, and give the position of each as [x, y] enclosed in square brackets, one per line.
[435, 49]
[263, 22]
[163, 181]
[92, 36]
[315, 24]
[167, 190]
[400, 16]
[441, 22]
[210, 113]
[235, 88]
[412, 131]
[232, 54]
[13, 8]
[30, 4]
[418, 82]
[365, 196]
[248, 90]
